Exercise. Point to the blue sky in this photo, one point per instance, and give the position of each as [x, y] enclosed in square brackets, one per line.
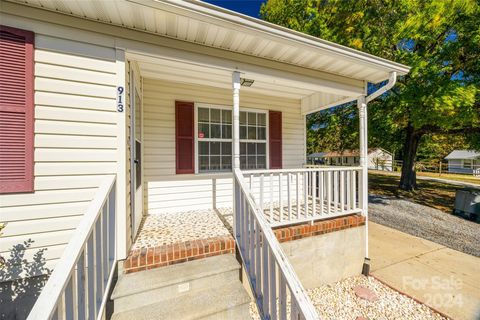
[248, 7]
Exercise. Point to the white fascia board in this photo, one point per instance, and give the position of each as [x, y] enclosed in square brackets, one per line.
[212, 14]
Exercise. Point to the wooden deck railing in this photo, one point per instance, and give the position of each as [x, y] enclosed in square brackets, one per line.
[78, 286]
[271, 276]
[289, 196]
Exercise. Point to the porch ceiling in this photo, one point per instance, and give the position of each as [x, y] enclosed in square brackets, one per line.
[204, 24]
[313, 96]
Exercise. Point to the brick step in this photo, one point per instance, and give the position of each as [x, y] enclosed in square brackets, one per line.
[143, 288]
[229, 301]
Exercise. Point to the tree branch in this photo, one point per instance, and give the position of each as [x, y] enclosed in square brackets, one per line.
[429, 129]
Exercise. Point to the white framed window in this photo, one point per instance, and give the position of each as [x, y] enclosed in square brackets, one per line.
[253, 139]
[467, 163]
[214, 138]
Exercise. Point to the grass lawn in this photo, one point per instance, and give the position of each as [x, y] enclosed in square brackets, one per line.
[450, 176]
[434, 194]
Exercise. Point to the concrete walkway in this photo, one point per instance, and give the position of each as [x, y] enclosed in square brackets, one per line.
[442, 278]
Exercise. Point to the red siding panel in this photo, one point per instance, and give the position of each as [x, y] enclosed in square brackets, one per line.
[16, 110]
[275, 136]
[184, 137]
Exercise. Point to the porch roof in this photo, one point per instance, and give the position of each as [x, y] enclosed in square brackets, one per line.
[344, 69]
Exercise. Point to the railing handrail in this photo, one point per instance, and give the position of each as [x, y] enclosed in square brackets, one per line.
[45, 306]
[296, 288]
[323, 168]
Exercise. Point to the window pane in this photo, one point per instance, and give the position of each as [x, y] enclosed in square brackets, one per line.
[262, 119]
[203, 163]
[226, 148]
[262, 133]
[226, 163]
[252, 119]
[203, 148]
[215, 115]
[261, 162]
[214, 162]
[215, 148]
[226, 116]
[243, 148]
[203, 115]
[243, 132]
[203, 130]
[227, 131]
[251, 162]
[261, 149]
[215, 131]
[252, 132]
[243, 162]
[243, 117]
[251, 149]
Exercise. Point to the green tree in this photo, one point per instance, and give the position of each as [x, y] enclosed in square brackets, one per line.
[439, 39]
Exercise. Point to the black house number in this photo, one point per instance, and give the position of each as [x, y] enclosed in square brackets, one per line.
[120, 99]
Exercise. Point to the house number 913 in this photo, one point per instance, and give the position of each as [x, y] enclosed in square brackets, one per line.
[120, 99]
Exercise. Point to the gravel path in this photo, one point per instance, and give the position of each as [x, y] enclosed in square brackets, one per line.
[427, 223]
[338, 301]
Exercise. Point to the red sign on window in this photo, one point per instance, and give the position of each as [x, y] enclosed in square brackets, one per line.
[201, 135]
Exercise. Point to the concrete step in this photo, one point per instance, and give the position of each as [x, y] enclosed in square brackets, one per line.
[229, 301]
[146, 287]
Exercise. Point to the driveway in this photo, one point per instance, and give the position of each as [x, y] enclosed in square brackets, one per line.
[444, 279]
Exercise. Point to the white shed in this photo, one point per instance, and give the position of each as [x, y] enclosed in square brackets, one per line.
[463, 161]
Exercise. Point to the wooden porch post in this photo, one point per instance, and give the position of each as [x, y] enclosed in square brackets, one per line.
[236, 119]
[363, 190]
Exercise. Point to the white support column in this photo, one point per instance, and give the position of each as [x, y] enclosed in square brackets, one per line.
[236, 118]
[363, 195]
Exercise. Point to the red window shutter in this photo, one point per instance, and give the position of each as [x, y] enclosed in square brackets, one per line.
[16, 110]
[184, 137]
[275, 136]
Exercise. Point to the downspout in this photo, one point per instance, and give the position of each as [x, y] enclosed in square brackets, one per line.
[362, 106]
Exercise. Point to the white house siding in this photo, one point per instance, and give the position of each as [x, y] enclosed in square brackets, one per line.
[166, 191]
[75, 145]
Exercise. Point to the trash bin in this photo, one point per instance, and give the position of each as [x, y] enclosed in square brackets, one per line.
[467, 203]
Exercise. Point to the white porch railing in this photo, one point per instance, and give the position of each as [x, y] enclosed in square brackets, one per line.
[78, 286]
[270, 274]
[289, 196]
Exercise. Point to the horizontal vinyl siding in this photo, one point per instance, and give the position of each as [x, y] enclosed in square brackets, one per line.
[75, 146]
[166, 191]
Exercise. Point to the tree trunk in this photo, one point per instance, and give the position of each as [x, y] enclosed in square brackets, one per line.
[408, 180]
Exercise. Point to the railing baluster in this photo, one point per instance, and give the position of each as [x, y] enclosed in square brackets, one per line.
[321, 187]
[104, 216]
[354, 190]
[258, 262]
[273, 287]
[111, 226]
[280, 196]
[298, 194]
[271, 198]
[91, 276]
[245, 225]
[283, 298]
[253, 235]
[329, 192]
[348, 190]
[81, 306]
[314, 193]
[342, 191]
[335, 192]
[305, 193]
[265, 276]
[289, 199]
[262, 176]
[98, 265]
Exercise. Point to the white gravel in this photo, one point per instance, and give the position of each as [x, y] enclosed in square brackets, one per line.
[338, 301]
[426, 222]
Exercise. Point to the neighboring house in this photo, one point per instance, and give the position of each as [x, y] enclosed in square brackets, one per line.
[378, 158]
[114, 110]
[463, 161]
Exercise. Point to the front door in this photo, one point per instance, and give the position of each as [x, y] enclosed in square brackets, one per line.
[136, 156]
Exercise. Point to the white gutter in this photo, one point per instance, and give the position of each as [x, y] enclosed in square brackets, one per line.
[391, 82]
